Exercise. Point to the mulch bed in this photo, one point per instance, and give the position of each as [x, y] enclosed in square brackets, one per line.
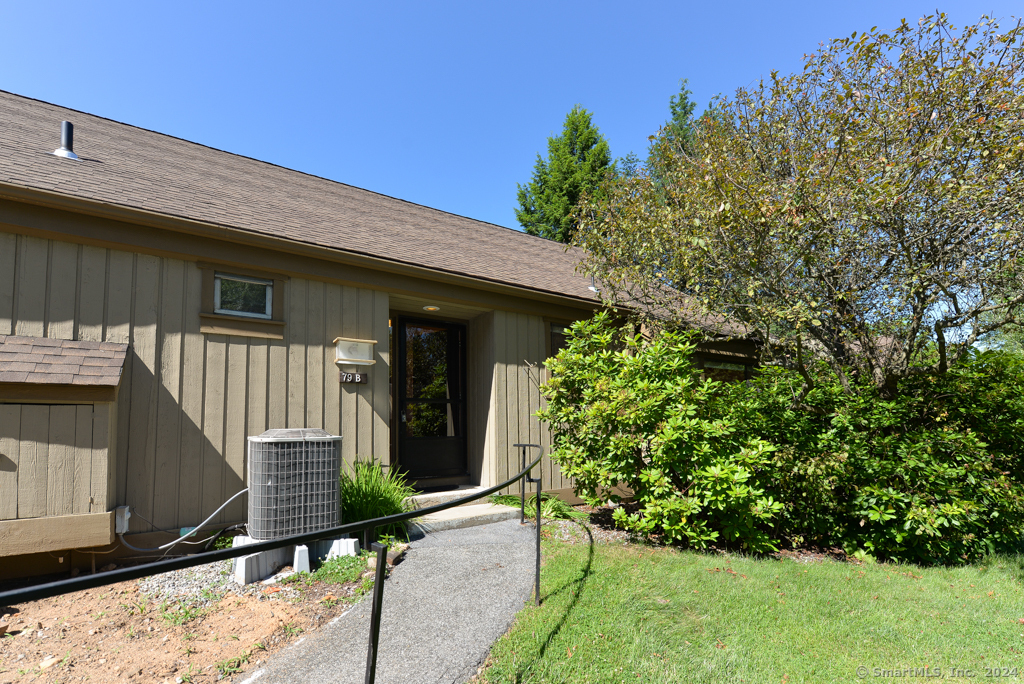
[602, 530]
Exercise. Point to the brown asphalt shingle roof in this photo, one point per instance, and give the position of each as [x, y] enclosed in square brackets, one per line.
[132, 167]
[42, 360]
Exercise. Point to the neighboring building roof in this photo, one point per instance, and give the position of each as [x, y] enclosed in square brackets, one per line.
[132, 167]
[46, 361]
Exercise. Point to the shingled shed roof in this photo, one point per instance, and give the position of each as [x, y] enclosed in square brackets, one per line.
[42, 360]
[131, 167]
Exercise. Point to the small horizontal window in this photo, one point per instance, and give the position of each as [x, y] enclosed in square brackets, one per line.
[237, 295]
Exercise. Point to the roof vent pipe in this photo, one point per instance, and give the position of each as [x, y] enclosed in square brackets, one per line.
[67, 141]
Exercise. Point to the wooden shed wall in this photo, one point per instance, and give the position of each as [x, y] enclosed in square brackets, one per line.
[53, 460]
[187, 399]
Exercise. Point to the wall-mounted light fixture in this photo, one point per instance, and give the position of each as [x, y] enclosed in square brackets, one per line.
[350, 352]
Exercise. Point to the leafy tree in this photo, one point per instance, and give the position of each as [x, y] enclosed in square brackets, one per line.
[865, 211]
[675, 138]
[679, 127]
[578, 160]
[1008, 339]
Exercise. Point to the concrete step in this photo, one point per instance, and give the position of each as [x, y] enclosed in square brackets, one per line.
[435, 498]
[463, 516]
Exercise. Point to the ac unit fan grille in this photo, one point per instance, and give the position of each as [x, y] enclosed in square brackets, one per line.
[293, 483]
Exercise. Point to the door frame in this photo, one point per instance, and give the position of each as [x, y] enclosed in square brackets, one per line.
[400, 320]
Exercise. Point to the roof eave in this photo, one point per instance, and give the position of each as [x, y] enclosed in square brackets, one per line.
[189, 226]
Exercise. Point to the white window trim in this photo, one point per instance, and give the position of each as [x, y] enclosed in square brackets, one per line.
[217, 277]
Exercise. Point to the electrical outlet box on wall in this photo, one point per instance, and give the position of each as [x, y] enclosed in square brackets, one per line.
[121, 516]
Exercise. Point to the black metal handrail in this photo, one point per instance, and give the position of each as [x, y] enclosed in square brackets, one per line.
[67, 586]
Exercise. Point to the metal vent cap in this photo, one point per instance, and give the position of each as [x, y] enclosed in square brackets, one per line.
[67, 141]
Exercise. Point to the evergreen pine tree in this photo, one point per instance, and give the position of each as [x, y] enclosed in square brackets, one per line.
[578, 160]
[676, 136]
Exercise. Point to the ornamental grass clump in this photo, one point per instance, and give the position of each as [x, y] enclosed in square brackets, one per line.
[369, 492]
[551, 507]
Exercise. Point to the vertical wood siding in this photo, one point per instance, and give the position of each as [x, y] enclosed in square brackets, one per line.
[53, 460]
[515, 342]
[187, 400]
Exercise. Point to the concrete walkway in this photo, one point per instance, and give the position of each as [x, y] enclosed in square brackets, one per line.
[455, 593]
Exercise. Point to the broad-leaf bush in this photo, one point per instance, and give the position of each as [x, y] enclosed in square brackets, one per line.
[627, 411]
[932, 475]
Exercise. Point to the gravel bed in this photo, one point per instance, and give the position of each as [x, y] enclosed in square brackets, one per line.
[206, 584]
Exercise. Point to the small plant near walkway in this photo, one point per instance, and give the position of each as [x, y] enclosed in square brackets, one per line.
[230, 666]
[630, 613]
[368, 492]
[339, 570]
[551, 507]
[179, 613]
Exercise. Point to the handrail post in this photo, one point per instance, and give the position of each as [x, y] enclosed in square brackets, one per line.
[526, 478]
[522, 491]
[523, 480]
[375, 611]
[536, 591]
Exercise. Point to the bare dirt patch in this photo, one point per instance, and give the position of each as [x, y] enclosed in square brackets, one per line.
[120, 634]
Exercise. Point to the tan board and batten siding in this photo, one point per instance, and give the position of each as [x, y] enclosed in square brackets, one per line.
[54, 460]
[503, 405]
[188, 400]
[56, 488]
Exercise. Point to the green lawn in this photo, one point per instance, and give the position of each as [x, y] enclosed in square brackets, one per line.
[639, 614]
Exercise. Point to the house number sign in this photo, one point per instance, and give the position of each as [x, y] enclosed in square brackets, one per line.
[361, 378]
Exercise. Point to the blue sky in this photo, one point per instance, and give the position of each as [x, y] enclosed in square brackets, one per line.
[441, 103]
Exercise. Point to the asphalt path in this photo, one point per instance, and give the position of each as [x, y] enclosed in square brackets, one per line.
[455, 593]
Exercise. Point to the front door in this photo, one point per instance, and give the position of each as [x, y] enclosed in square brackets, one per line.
[431, 398]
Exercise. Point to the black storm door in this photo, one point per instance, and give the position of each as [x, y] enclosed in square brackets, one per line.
[431, 398]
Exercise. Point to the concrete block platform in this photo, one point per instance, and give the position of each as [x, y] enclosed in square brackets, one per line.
[469, 515]
[258, 566]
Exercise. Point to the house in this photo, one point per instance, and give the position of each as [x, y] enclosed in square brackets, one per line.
[161, 300]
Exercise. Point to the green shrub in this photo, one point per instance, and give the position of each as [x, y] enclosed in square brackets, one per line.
[622, 410]
[933, 475]
[337, 570]
[368, 493]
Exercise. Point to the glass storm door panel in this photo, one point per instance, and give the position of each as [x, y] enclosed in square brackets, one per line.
[431, 398]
